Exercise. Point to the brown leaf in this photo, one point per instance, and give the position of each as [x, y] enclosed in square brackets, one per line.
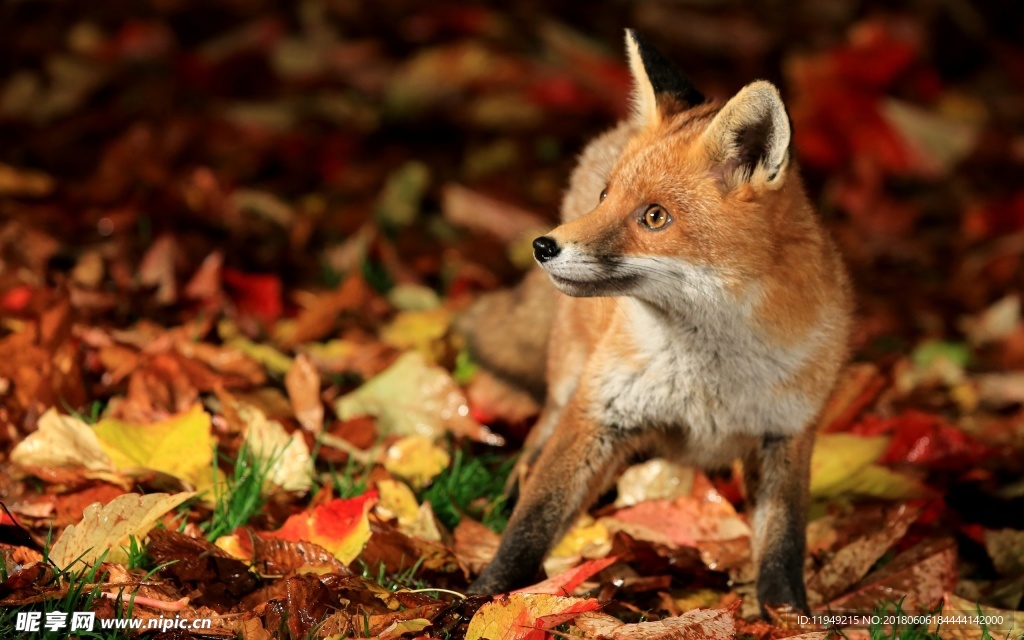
[157, 269]
[219, 579]
[874, 533]
[702, 624]
[475, 544]
[303, 384]
[276, 557]
[921, 575]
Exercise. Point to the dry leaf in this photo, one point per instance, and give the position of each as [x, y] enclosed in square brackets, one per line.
[702, 624]
[292, 467]
[340, 526]
[107, 527]
[303, 384]
[519, 616]
[61, 441]
[412, 397]
[416, 459]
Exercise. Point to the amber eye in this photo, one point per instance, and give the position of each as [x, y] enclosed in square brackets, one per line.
[604, 193]
[655, 217]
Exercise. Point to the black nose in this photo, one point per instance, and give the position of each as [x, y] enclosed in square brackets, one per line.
[545, 248]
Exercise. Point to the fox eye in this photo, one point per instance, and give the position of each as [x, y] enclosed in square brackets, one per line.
[655, 217]
[604, 193]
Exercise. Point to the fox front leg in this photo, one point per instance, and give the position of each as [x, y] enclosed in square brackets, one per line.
[572, 467]
[777, 482]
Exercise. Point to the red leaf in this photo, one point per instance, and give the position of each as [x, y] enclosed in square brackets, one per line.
[255, 294]
[567, 581]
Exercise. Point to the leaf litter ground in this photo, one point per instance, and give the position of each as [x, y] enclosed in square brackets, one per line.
[234, 238]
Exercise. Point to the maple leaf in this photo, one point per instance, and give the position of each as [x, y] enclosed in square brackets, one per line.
[181, 445]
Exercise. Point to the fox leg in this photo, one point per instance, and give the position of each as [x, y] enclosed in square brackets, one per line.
[573, 466]
[777, 480]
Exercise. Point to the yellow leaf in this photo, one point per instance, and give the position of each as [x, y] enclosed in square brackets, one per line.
[292, 466]
[837, 456]
[268, 356]
[61, 441]
[182, 445]
[397, 501]
[845, 464]
[413, 297]
[416, 459]
[107, 527]
[515, 615]
[588, 537]
[419, 330]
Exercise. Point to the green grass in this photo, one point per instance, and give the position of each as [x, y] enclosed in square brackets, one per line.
[404, 579]
[351, 482]
[471, 486]
[77, 598]
[900, 632]
[91, 416]
[243, 498]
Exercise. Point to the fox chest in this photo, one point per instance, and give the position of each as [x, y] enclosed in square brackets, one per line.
[708, 385]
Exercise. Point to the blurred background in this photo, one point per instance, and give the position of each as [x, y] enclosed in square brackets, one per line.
[159, 155]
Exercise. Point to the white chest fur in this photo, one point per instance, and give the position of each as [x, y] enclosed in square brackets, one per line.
[708, 373]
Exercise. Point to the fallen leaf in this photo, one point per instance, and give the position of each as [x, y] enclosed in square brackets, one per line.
[157, 269]
[1006, 548]
[412, 397]
[877, 532]
[24, 182]
[399, 201]
[920, 575]
[523, 616]
[292, 465]
[420, 330]
[303, 384]
[566, 582]
[182, 445]
[416, 459]
[340, 526]
[963, 626]
[62, 441]
[655, 479]
[702, 624]
[844, 463]
[995, 323]
[475, 544]
[105, 528]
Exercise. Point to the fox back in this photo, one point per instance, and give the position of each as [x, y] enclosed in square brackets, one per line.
[705, 316]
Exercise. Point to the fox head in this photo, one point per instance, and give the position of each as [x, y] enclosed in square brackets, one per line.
[697, 202]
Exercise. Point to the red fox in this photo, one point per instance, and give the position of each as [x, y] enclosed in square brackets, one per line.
[694, 308]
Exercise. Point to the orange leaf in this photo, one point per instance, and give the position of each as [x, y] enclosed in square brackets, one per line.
[340, 526]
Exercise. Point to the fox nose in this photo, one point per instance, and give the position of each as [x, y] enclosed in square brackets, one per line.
[545, 248]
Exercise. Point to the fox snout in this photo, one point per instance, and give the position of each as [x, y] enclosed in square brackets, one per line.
[545, 248]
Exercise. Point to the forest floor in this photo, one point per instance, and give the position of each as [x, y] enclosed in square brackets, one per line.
[233, 240]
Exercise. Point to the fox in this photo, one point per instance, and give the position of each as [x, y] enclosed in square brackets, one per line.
[690, 304]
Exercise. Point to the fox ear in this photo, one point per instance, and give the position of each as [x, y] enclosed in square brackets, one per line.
[657, 82]
[748, 141]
